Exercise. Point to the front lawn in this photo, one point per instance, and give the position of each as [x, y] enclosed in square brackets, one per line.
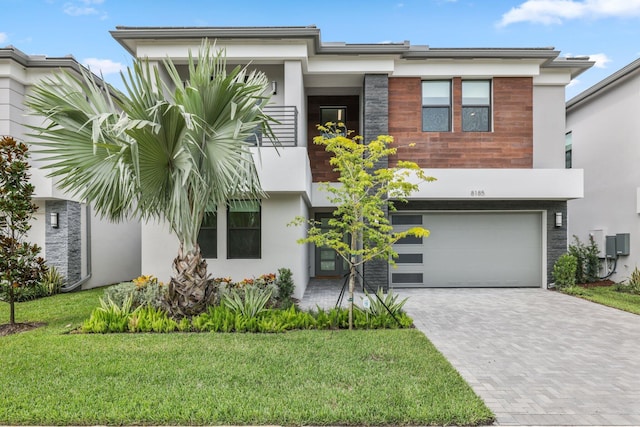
[609, 296]
[51, 377]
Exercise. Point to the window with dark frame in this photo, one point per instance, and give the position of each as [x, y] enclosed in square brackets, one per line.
[436, 105]
[568, 150]
[208, 235]
[476, 105]
[337, 115]
[244, 229]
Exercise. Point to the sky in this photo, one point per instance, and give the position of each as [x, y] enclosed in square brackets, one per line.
[606, 30]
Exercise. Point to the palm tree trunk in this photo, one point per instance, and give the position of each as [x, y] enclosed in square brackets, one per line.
[189, 291]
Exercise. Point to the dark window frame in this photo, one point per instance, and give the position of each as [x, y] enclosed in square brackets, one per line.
[427, 107]
[210, 226]
[342, 130]
[231, 229]
[488, 107]
[568, 150]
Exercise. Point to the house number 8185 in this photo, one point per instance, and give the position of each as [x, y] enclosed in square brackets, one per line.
[477, 193]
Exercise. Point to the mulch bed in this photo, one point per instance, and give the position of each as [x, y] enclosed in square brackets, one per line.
[597, 284]
[8, 329]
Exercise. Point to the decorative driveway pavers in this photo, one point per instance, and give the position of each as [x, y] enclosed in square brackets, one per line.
[536, 357]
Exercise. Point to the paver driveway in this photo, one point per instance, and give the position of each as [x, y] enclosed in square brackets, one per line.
[537, 357]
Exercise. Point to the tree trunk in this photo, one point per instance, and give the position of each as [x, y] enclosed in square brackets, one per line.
[352, 286]
[189, 291]
[12, 305]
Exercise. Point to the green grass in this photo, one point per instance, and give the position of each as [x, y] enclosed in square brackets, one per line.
[393, 377]
[607, 295]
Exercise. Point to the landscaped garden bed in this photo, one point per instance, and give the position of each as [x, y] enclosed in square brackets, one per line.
[336, 377]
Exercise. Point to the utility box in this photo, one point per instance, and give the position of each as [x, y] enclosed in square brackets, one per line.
[622, 244]
[610, 243]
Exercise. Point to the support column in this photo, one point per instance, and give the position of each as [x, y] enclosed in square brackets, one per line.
[63, 245]
[376, 122]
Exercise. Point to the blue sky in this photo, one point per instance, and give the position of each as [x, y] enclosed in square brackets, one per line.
[606, 30]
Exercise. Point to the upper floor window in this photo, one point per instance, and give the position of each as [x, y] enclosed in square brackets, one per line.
[568, 150]
[336, 115]
[208, 236]
[436, 106]
[476, 105]
[243, 229]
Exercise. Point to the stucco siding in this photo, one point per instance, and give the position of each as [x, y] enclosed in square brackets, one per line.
[548, 126]
[605, 135]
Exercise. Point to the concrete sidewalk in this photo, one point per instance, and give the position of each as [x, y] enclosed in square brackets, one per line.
[536, 357]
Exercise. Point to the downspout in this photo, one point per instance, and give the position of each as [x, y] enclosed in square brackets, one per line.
[79, 283]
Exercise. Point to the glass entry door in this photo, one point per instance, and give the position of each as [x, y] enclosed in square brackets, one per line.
[328, 262]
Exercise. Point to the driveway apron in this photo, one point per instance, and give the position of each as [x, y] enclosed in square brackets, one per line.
[537, 357]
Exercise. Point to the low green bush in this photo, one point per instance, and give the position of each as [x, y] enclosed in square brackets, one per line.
[564, 271]
[143, 291]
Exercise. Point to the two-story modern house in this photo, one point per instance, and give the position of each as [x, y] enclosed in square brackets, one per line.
[602, 138]
[489, 124]
[87, 250]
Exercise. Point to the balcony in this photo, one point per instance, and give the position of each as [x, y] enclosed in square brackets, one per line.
[285, 129]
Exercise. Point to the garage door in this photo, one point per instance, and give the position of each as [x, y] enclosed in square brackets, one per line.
[470, 249]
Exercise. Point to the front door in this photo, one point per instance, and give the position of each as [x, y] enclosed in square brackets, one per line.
[328, 262]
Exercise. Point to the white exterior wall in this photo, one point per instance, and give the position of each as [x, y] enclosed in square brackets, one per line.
[605, 136]
[279, 247]
[548, 126]
[36, 234]
[115, 251]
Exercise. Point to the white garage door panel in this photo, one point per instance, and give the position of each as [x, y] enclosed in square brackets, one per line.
[476, 250]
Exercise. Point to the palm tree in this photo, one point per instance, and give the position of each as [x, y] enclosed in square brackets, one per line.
[162, 151]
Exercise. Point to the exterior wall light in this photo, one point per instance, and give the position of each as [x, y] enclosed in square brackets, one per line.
[558, 219]
[274, 87]
[54, 219]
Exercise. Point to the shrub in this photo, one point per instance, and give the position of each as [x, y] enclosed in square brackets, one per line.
[151, 319]
[587, 261]
[633, 282]
[144, 291]
[285, 288]
[564, 271]
[52, 281]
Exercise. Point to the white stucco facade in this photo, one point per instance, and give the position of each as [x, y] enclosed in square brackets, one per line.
[98, 252]
[605, 131]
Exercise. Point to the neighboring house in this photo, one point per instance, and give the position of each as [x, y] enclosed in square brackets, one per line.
[489, 124]
[603, 136]
[88, 251]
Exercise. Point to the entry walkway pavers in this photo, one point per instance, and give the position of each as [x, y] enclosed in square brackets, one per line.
[536, 357]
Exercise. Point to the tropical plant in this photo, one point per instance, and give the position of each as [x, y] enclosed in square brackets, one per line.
[163, 151]
[20, 265]
[109, 317]
[249, 303]
[360, 230]
[381, 304]
[52, 281]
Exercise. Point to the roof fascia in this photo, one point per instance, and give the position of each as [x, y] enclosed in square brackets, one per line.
[604, 85]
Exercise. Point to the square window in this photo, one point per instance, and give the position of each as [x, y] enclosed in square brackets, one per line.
[337, 115]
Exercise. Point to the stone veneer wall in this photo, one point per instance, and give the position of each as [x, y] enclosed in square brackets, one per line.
[556, 236]
[376, 122]
[63, 244]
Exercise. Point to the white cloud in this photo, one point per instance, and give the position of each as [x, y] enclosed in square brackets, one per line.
[573, 82]
[103, 66]
[3, 37]
[601, 60]
[84, 8]
[74, 10]
[549, 12]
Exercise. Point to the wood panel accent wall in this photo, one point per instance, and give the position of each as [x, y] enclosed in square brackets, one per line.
[321, 170]
[509, 145]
